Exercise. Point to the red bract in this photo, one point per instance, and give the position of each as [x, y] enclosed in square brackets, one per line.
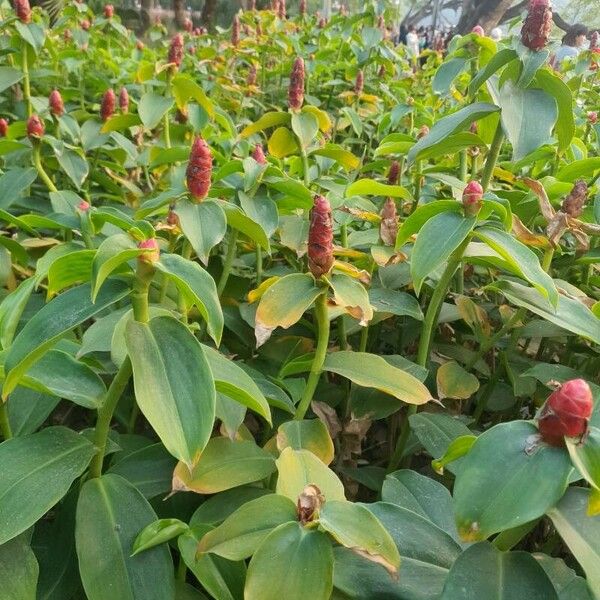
[152, 254]
[281, 9]
[85, 25]
[83, 206]
[188, 25]
[235, 31]
[199, 170]
[35, 127]
[258, 155]
[478, 30]
[176, 50]
[302, 8]
[322, 22]
[566, 412]
[296, 89]
[3, 127]
[423, 131]
[55, 102]
[251, 79]
[109, 11]
[592, 117]
[23, 10]
[388, 227]
[139, 45]
[359, 84]
[394, 173]
[573, 204]
[320, 238]
[124, 100]
[107, 108]
[472, 198]
[537, 26]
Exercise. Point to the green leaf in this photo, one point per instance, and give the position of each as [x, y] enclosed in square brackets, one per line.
[284, 303]
[497, 61]
[120, 122]
[570, 314]
[241, 533]
[355, 527]
[51, 323]
[198, 288]
[305, 126]
[299, 468]
[580, 532]
[111, 512]
[446, 73]
[342, 156]
[441, 235]
[370, 187]
[37, 471]
[158, 532]
[19, 570]
[28, 410]
[568, 585]
[482, 571]
[453, 123]
[351, 295]
[11, 310]
[292, 563]
[394, 302]
[9, 76]
[74, 165]
[204, 225]
[282, 143]
[152, 108]
[457, 449]
[13, 183]
[33, 33]
[270, 119]
[585, 455]
[531, 60]
[586, 167]
[236, 219]
[508, 478]
[217, 508]
[311, 435]
[223, 465]
[454, 382]
[174, 386]
[370, 370]
[560, 91]
[413, 223]
[70, 269]
[185, 88]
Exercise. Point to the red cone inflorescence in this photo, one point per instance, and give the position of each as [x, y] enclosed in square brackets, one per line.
[23, 10]
[322, 23]
[55, 102]
[3, 127]
[388, 227]
[176, 50]
[124, 100]
[85, 25]
[258, 155]
[472, 198]
[566, 412]
[188, 25]
[478, 30]
[537, 26]
[199, 170]
[235, 31]
[359, 83]
[35, 127]
[394, 173]
[302, 8]
[423, 131]
[109, 11]
[573, 204]
[153, 251]
[296, 89]
[281, 10]
[84, 206]
[320, 238]
[251, 78]
[107, 108]
[592, 117]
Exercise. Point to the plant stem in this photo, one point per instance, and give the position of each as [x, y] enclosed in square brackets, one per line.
[341, 331]
[166, 122]
[4, 422]
[322, 319]
[40, 169]
[305, 167]
[547, 259]
[105, 413]
[416, 186]
[464, 165]
[364, 338]
[259, 264]
[139, 295]
[492, 157]
[26, 85]
[228, 261]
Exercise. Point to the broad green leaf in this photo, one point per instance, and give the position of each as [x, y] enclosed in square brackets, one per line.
[198, 288]
[235, 383]
[158, 532]
[174, 386]
[282, 143]
[482, 571]
[394, 302]
[224, 464]
[342, 156]
[19, 570]
[152, 107]
[370, 187]
[11, 310]
[111, 512]
[214, 510]
[120, 122]
[236, 219]
[560, 91]
[585, 167]
[284, 303]
[305, 126]
[497, 61]
[569, 314]
[204, 225]
[37, 471]
[531, 61]
[299, 468]
[74, 165]
[185, 88]
[568, 585]
[520, 258]
[268, 120]
[454, 382]
[507, 479]
[585, 455]
[446, 73]
[9, 76]
[370, 370]
[413, 223]
[292, 563]
[70, 269]
[28, 410]
[13, 183]
[455, 451]
[241, 533]
[261, 210]
[355, 527]
[580, 532]
[52, 322]
[307, 434]
[351, 295]
[441, 235]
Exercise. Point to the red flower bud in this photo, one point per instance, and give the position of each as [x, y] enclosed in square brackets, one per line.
[124, 100]
[537, 26]
[388, 227]
[199, 170]
[258, 29]
[84, 206]
[474, 128]
[176, 50]
[188, 25]
[3, 127]
[423, 131]
[23, 10]
[251, 78]
[296, 89]
[320, 238]
[302, 8]
[281, 10]
[322, 22]
[152, 254]
[394, 173]
[566, 412]
[592, 117]
[35, 127]
[472, 198]
[573, 204]
[359, 84]
[139, 45]
[478, 30]
[258, 155]
[109, 11]
[107, 108]
[381, 73]
[55, 102]
[85, 25]
[235, 31]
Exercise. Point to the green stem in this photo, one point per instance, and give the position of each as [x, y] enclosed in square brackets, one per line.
[259, 264]
[305, 166]
[416, 186]
[228, 261]
[364, 338]
[492, 157]
[4, 422]
[464, 165]
[40, 169]
[139, 295]
[344, 235]
[166, 122]
[105, 414]
[322, 319]
[186, 252]
[547, 259]
[341, 331]
[26, 85]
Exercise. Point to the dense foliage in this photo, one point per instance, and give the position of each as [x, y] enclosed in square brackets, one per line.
[341, 309]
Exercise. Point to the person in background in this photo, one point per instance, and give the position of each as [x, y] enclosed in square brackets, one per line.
[412, 44]
[496, 34]
[402, 35]
[572, 44]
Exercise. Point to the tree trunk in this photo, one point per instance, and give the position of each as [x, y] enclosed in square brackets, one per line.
[207, 16]
[486, 13]
[179, 10]
[146, 10]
